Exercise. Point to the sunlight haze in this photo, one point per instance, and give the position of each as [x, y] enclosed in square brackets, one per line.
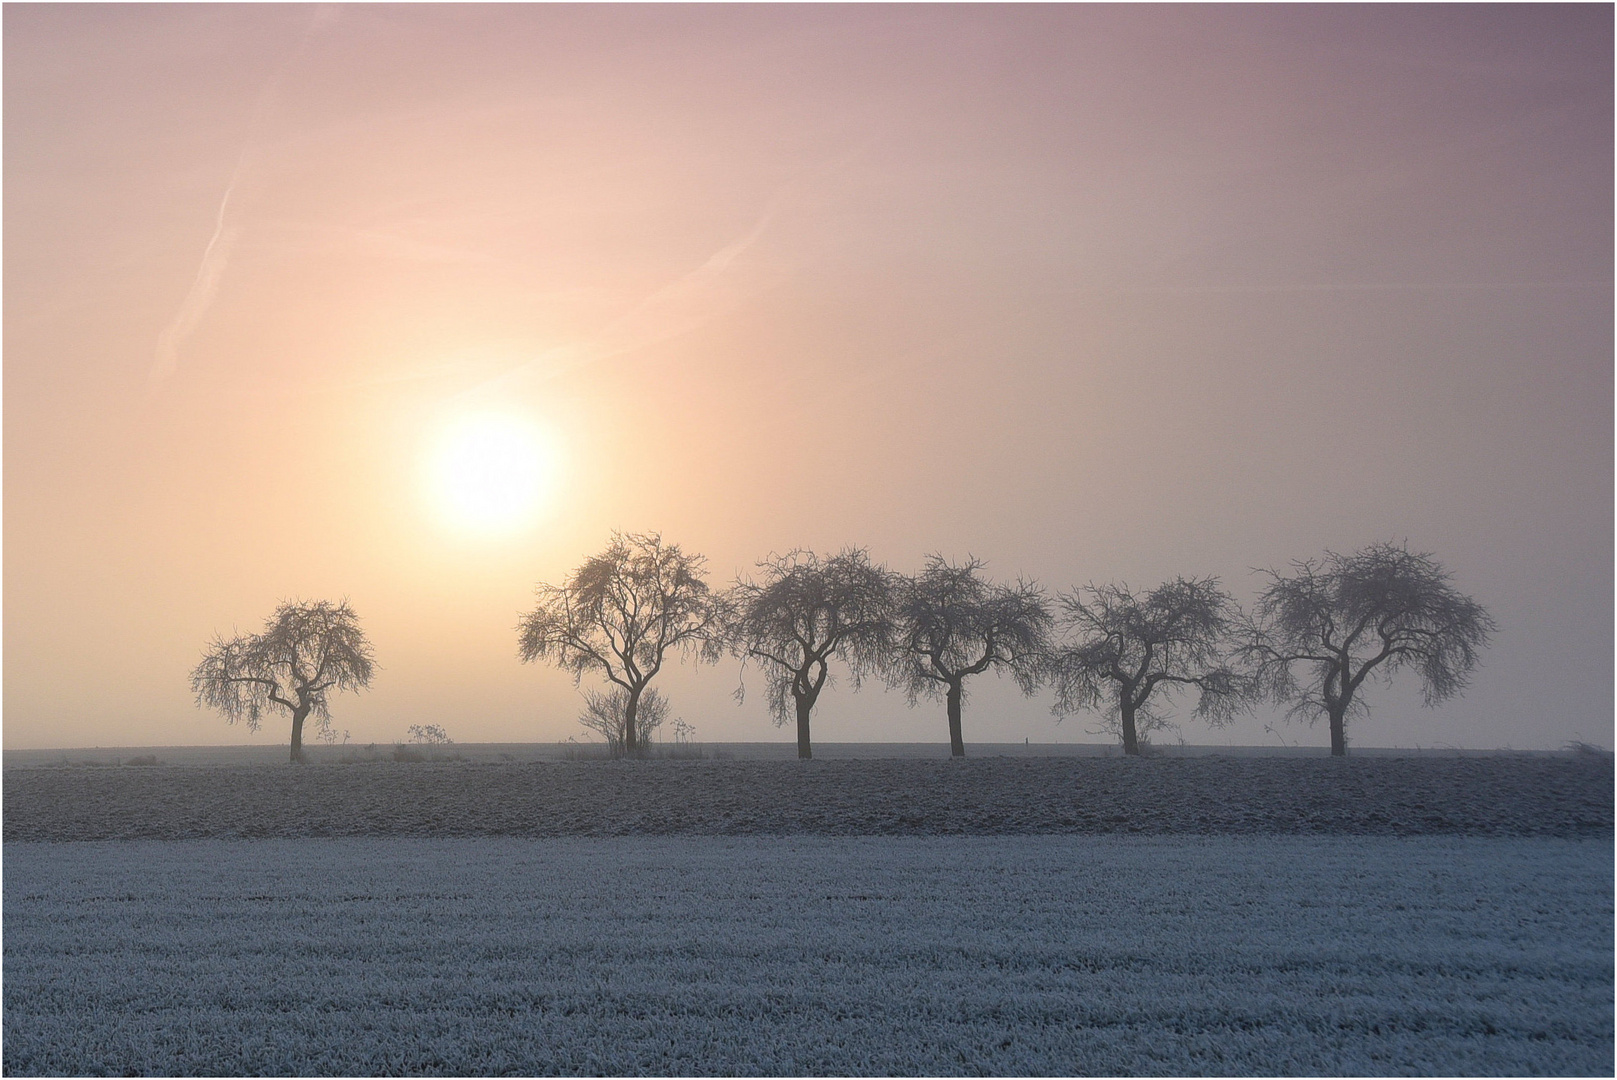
[414, 305]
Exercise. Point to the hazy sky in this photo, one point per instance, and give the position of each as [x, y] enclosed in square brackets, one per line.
[1093, 293]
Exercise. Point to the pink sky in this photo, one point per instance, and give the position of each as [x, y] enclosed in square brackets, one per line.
[1094, 293]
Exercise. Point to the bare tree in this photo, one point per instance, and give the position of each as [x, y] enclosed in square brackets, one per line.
[1348, 617]
[305, 652]
[622, 613]
[806, 612]
[1126, 654]
[954, 624]
[604, 714]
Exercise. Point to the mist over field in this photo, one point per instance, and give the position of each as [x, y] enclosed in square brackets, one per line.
[414, 306]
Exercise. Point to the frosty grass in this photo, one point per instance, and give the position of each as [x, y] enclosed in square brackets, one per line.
[811, 955]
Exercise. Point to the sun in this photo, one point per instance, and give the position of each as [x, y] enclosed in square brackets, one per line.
[491, 472]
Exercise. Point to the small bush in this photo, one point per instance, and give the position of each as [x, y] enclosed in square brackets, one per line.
[427, 742]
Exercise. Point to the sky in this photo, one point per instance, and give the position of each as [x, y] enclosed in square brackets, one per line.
[1094, 293]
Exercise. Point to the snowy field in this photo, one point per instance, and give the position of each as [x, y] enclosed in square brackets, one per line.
[1398, 796]
[811, 955]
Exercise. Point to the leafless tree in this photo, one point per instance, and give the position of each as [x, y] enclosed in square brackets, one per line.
[1345, 618]
[1126, 654]
[953, 624]
[604, 714]
[305, 652]
[622, 613]
[806, 612]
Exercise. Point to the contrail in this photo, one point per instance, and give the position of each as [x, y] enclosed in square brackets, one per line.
[217, 253]
[681, 306]
[203, 287]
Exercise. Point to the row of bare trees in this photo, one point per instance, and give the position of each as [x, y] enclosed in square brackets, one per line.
[1315, 635]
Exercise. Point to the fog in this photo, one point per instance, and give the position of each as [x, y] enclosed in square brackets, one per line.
[1092, 293]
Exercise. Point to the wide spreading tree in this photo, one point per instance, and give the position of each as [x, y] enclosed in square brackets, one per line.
[804, 613]
[953, 623]
[1125, 654]
[622, 614]
[305, 652]
[1343, 619]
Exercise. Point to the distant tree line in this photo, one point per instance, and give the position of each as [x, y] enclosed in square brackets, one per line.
[1315, 635]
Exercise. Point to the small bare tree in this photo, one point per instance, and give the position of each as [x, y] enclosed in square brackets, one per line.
[954, 624]
[806, 612]
[622, 613]
[1126, 654]
[305, 652]
[1346, 618]
[604, 714]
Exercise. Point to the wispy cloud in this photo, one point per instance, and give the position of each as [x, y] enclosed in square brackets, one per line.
[684, 305]
[216, 256]
[203, 287]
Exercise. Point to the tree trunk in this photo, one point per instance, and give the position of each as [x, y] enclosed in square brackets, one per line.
[631, 717]
[1338, 732]
[1131, 736]
[298, 716]
[805, 705]
[957, 745]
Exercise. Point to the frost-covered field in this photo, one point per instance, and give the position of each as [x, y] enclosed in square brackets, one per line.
[1400, 796]
[811, 955]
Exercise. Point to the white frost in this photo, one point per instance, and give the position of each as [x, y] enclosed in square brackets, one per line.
[811, 955]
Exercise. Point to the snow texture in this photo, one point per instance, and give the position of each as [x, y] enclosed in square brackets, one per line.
[810, 955]
[1503, 796]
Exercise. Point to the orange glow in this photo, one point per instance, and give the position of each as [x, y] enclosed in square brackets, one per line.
[412, 305]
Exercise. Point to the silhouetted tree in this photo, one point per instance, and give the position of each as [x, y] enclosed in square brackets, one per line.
[305, 652]
[604, 713]
[806, 612]
[1348, 617]
[1126, 654]
[622, 613]
[953, 624]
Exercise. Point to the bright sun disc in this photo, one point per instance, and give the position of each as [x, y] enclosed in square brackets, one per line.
[491, 473]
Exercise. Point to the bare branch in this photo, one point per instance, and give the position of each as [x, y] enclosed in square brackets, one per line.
[1402, 612]
[623, 612]
[953, 623]
[1125, 654]
[305, 651]
[807, 611]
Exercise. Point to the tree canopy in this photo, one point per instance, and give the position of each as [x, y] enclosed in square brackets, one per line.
[953, 623]
[1346, 618]
[304, 654]
[622, 613]
[804, 613]
[1125, 654]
